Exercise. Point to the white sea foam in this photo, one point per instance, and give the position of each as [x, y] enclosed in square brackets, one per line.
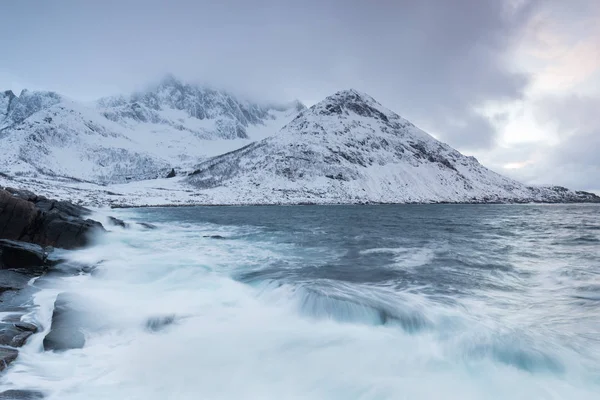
[230, 340]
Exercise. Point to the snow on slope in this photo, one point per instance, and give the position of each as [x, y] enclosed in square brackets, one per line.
[15, 109]
[350, 149]
[202, 111]
[123, 139]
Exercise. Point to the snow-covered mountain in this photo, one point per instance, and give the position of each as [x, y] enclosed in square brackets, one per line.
[350, 149]
[202, 111]
[345, 149]
[15, 109]
[118, 139]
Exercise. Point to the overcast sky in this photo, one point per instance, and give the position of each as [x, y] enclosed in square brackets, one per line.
[515, 83]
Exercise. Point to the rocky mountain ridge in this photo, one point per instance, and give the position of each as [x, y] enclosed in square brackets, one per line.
[120, 139]
[347, 148]
[350, 149]
[231, 116]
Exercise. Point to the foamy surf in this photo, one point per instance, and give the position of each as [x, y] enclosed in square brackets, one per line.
[273, 310]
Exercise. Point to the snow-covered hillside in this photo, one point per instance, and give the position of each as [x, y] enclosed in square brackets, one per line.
[15, 109]
[120, 139]
[204, 112]
[350, 149]
[345, 149]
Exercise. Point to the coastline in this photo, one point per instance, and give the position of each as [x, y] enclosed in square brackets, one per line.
[176, 192]
[37, 235]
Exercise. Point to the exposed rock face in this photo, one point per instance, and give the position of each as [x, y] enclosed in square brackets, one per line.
[171, 174]
[19, 255]
[117, 222]
[14, 334]
[6, 99]
[7, 355]
[65, 332]
[230, 116]
[27, 223]
[21, 395]
[125, 138]
[146, 225]
[12, 280]
[15, 109]
[351, 149]
[36, 219]
[158, 323]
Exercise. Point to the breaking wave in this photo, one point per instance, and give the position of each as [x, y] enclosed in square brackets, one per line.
[260, 310]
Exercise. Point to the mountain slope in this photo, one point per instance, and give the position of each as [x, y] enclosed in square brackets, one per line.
[204, 112]
[119, 139]
[15, 109]
[350, 149]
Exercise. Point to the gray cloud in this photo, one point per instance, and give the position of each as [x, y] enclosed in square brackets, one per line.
[431, 61]
[576, 160]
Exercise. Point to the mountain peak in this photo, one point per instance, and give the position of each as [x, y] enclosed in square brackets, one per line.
[351, 102]
[170, 80]
[350, 96]
[9, 94]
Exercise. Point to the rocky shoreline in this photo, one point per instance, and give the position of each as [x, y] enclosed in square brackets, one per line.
[34, 231]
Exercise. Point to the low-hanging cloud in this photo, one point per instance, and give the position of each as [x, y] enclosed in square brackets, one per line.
[430, 61]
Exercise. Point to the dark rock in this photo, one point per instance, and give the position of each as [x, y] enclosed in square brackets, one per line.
[56, 229]
[146, 225]
[22, 194]
[63, 207]
[21, 255]
[65, 332]
[172, 174]
[7, 355]
[21, 395]
[14, 280]
[117, 222]
[26, 326]
[215, 236]
[36, 219]
[15, 320]
[155, 324]
[11, 335]
[16, 215]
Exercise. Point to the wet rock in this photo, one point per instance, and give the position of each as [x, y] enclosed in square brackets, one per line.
[56, 229]
[11, 335]
[62, 207]
[21, 395]
[16, 215]
[19, 262]
[117, 222]
[172, 174]
[26, 326]
[146, 225]
[7, 355]
[36, 219]
[65, 332]
[21, 255]
[155, 324]
[22, 194]
[15, 319]
[12, 280]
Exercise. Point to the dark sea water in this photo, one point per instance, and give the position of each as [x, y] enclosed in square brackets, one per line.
[333, 302]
